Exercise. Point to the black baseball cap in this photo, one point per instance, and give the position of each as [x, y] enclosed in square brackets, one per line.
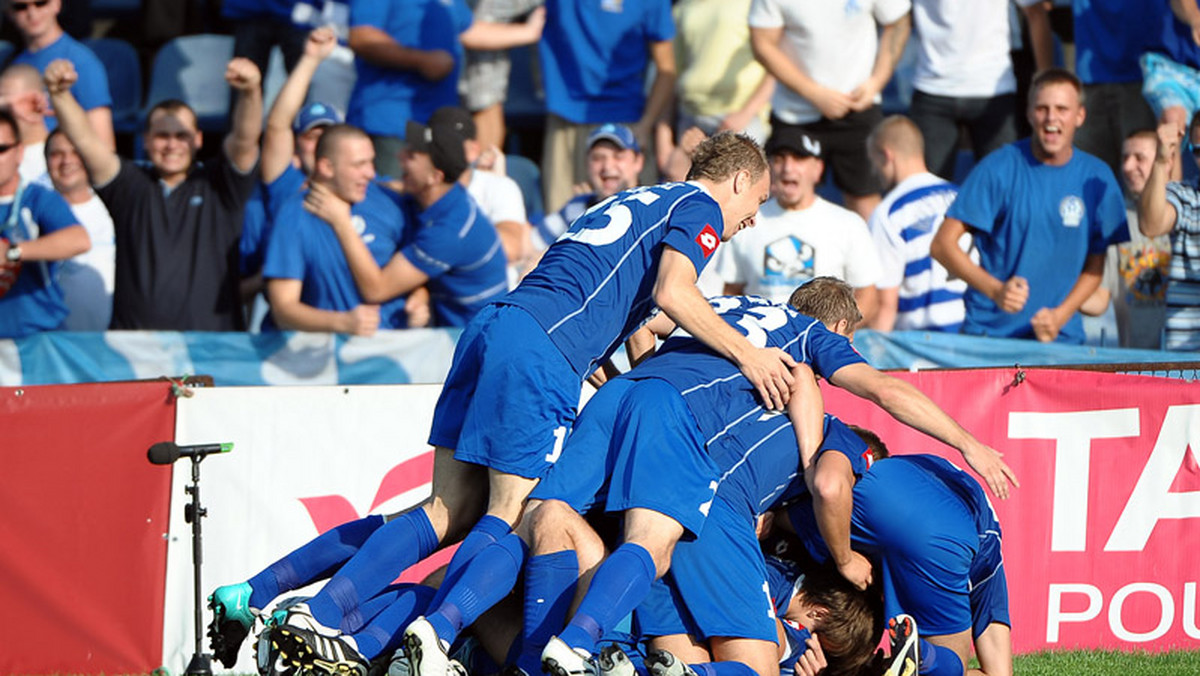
[793, 140]
[455, 117]
[442, 143]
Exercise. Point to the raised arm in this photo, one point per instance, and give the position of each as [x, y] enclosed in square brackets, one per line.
[1157, 216]
[911, 407]
[376, 46]
[662, 90]
[675, 292]
[489, 36]
[98, 157]
[279, 143]
[241, 145]
[375, 285]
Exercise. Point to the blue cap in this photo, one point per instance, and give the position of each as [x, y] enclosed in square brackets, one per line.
[618, 134]
[316, 114]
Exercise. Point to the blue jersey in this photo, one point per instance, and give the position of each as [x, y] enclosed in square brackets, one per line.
[760, 460]
[1175, 38]
[594, 56]
[1110, 35]
[595, 285]
[383, 98]
[91, 89]
[1039, 222]
[458, 248]
[302, 246]
[715, 390]
[35, 301]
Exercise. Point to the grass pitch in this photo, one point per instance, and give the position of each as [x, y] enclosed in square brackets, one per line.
[1099, 663]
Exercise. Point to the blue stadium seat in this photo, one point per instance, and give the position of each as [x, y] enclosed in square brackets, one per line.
[334, 80]
[124, 71]
[7, 51]
[192, 68]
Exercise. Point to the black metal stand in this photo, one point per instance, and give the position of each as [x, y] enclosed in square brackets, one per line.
[201, 663]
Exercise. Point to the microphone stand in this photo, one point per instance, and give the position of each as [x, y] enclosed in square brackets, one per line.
[201, 662]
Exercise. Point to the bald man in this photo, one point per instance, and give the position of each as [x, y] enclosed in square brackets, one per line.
[24, 95]
[915, 291]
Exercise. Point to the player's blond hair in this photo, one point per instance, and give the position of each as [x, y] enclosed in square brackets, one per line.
[722, 155]
[826, 299]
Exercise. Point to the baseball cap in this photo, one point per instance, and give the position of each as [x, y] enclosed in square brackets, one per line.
[794, 140]
[316, 114]
[618, 134]
[455, 117]
[442, 143]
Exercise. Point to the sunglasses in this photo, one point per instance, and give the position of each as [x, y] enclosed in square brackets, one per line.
[22, 6]
[5, 147]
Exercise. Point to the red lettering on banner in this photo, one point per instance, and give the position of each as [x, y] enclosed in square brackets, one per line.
[330, 511]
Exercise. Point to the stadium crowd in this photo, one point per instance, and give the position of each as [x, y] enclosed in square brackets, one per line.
[702, 514]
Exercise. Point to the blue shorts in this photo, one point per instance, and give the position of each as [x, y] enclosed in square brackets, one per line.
[938, 560]
[510, 398]
[717, 585]
[660, 462]
[580, 476]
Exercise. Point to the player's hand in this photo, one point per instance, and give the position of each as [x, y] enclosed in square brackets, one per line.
[1045, 325]
[1170, 135]
[857, 570]
[769, 369]
[534, 23]
[435, 64]
[60, 76]
[692, 137]
[812, 660]
[325, 205]
[320, 43]
[362, 320]
[989, 464]
[863, 96]
[243, 75]
[418, 309]
[1012, 296]
[834, 105]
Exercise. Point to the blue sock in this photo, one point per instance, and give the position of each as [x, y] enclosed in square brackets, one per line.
[399, 544]
[550, 581]
[384, 632]
[620, 584]
[938, 661]
[316, 560]
[722, 669]
[488, 530]
[483, 583]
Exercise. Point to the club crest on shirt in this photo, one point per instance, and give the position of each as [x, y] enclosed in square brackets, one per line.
[708, 239]
[1070, 209]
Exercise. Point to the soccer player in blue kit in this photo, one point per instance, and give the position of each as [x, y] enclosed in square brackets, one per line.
[671, 408]
[512, 392]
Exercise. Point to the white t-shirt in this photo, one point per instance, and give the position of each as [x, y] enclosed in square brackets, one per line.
[833, 41]
[500, 199]
[787, 248]
[87, 279]
[963, 47]
[33, 165]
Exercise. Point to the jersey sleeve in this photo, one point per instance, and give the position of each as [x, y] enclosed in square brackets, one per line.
[284, 255]
[437, 249]
[694, 230]
[839, 438]
[660, 25]
[49, 210]
[981, 198]
[827, 351]
[890, 11]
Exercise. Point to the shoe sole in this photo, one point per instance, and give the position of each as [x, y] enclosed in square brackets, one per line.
[553, 668]
[225, 636]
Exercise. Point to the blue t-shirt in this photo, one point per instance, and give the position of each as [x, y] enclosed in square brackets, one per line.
[91, 89]
[1039, 222]
[1110, 36]
[594, 286]
[302, 246]
[594, 55]
[714, 388]
[457, 246]
[260, 215]
[35, 301]
[1175, 38]
[384, 98]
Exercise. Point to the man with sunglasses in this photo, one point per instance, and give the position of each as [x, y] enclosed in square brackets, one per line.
[177, 222]
[1042, 214]
[46, 41]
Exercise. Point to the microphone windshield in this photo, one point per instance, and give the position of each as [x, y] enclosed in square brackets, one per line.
[163, 453]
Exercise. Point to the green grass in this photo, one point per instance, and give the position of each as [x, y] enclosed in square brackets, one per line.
[1097, 663]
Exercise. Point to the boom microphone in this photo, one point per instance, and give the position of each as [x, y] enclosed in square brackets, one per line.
[167, 452]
